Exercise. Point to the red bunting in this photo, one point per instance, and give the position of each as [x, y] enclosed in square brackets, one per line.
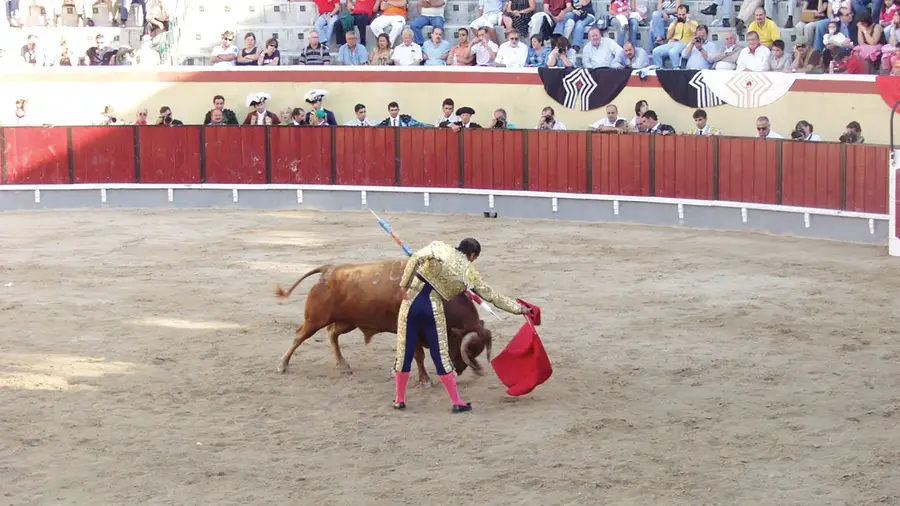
[889, 87]
[524, 364]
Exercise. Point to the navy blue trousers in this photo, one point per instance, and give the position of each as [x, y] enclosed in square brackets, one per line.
[420, 324]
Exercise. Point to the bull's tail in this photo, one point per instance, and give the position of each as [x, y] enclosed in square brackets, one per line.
[318, 270]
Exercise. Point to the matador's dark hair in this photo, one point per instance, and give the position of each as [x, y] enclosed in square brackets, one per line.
[469, 246]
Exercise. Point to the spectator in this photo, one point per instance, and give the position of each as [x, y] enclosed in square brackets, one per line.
[806, 60]
[395, 119]
[554, 14]
[500, 120]
[622, 127]
[608, 122]
[538, 53]
[803, 131]
[834, 39]
[662, 17]
[12, 9]
[870, 40]
[319, 115]
[679, 35]
[465, 120]
[381, 55]
[853, 134]
[20, 117]
[124, 55]
[517, 16]
[431, 12]
[699, 52]
[64, 59]
[260, 115]
[626, 20]
[219, 105]
[889, 51]
[166, 118]
[108, 117]
[408, 53]
[216, 119]
[393, 18]
[727, 59]
[640, 107]
[889, 18]
[489, 12]
[764, 130]
[562, 56]
[126, 6]
[315, 53]
[436, 50]
[766, 28]
[652, 125]
[484, 49]
[713, 8]
[844, 17]
[813, 11]
[701, 125]
[863, 6]
[461, 54]
[845, 62]
[285, 116]
[157, 20]
[360, 119]
[352, 53]
[249, 55]
[140, 117]
[271, 56]
[548, 120]
[298, 117]
[447, 112]
[779, 61]
[225, 54]
[583, 16]
[146, 56]
[31, 55]
[754, 57]
[512, 53]
[329, 14]
[362, 12]
[632, 57]
[599, 52]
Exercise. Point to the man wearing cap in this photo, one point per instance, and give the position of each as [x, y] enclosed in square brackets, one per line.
[465, 120]
[319, 115]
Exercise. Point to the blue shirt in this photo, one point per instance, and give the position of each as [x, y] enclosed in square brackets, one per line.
[357, 56]
[434, 53]
[641, 59]
[571, 55]
[696, 61]
[601, 56]
[537, 59]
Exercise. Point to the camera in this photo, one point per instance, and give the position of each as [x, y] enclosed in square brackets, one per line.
[850, 137]
[499, 123]
[697, 40]
[798, 134]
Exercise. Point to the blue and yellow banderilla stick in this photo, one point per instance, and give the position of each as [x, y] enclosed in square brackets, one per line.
[387, 228]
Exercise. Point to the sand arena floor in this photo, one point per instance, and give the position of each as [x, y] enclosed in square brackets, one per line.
[138, 355]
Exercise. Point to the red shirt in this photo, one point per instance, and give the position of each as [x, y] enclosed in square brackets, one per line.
[855, 65]
[326, 6]
[364, 7]
[556, 6]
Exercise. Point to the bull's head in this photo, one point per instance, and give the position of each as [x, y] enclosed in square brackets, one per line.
[471, 344]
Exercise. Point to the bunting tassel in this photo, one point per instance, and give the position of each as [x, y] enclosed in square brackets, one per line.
[472, 296]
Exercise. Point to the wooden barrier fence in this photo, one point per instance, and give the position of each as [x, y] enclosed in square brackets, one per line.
[807, 174]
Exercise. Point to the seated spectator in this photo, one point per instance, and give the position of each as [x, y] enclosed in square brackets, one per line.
[699, 52]
[329, 14]
[95, 54]
[626, 19]
[846, 62]
[315, 53]
[381, 55]
[31, 55]
[249, 55]
[12, 9]
[461, 53]
[219, 105]
[813, 11]
[632, 57]
[489, 12]
[285, 116]
[517, 16]
[392, 18]
[537, 53]
[713, 8]
[225, 54]
[362, 12]
[64, 59]
[664, 15]
[764, 27]
[779, 61]
[124, 55]
[408, 52]
[436, 50]
[622, 127]
[607, 123]
[157, 20]
[484, 49]
[834, 39]
[640, 107]
[803, 131]
[844, 19]
[319, 115]
[465, 120]
[360, 119]
[216, 119]
[870, 40]
[352, 53]
[679, 34]
[548, 120]
[727, 58]
[166, 118]
[754, 57]
[271, 56]
[562, 56]
[599, 52]
[701, 125]
[395, 119]
[298, 117]
[652, 125]
[889, 51]
[146, 56]
[890, 18]
[500, 120]
[447, 112]
[126, 7]
[764, 129]
[512, 53]
[582, 16]
[806, 60]
[431, 12]
[853, 134]
[140, 116]
[260, 115]
[554, 14]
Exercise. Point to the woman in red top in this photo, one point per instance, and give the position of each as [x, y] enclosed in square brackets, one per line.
[363, 12]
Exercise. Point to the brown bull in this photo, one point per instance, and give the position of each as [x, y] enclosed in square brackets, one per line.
[367, 296]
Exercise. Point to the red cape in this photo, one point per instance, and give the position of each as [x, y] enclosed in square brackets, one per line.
[524, 364]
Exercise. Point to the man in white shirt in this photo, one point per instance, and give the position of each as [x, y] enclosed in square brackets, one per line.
[489, 15]
[484, 49]
[408, 52]
[600, 52]
[632, 57]
[447, 112]
[608, 122]
[763, 128]
[754, 57]
[360, 119]
[225, 54]
[727, 59]
[511, 52]
[548, 120]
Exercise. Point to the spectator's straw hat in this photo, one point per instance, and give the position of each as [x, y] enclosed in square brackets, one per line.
[256, 98]
[313, 96]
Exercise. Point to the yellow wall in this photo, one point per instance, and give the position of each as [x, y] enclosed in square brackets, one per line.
[75, 101]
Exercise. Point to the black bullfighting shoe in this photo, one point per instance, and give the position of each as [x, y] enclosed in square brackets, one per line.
[461, 409]
[399, 405]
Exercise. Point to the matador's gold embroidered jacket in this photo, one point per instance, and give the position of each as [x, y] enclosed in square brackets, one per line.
[449, 272]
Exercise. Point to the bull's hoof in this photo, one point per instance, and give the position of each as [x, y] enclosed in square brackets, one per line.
[282, 368]
[399, 405]
[461, 409]
[345, 368]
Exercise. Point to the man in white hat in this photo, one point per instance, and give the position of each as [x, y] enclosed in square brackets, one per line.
[260, 115]
[319, 115]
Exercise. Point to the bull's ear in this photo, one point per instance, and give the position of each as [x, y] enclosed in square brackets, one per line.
[458, 332]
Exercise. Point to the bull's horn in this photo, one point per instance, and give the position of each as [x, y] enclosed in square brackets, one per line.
[464, 351]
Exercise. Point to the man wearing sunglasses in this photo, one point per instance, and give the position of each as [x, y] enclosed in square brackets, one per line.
[225, 54]
[764, 130]
[511, 53]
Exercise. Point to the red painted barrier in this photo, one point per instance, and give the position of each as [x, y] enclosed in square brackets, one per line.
[809, 174]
